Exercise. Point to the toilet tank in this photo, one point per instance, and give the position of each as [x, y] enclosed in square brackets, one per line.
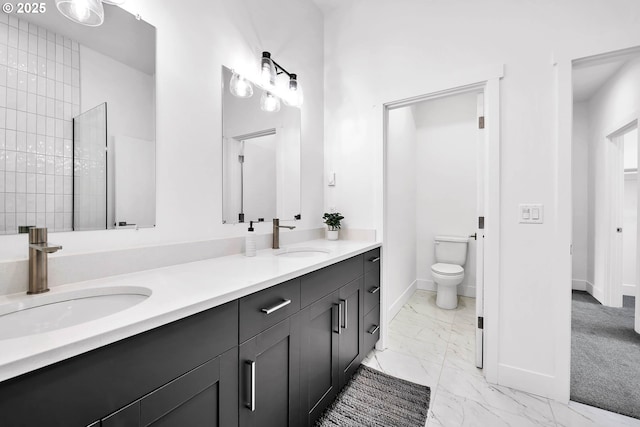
[451, 249]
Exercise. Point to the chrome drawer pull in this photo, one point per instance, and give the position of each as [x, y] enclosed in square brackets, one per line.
[376, 259]
[374, 329]
[252, 393]
[276, 307]
[374, 290]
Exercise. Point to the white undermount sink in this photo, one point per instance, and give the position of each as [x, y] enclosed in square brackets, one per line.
[302, 252]
[34, 314]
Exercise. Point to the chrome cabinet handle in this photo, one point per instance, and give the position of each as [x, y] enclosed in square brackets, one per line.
[374, 329]
[276, 307]
[376, 259]
[374, 290]
[252, 392]
[339, 329]
[346, 313]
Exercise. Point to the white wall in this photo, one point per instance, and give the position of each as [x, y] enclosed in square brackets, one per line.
[378, 51]
[194, 38]
[446, 176]
[582, 263]
[613, 106]
[400, 244]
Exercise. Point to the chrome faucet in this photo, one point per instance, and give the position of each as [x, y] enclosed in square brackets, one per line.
[38, 250]
[276, 232]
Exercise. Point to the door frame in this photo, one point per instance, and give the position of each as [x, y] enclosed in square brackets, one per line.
[614, 199]
[489, 84]
[563, 63]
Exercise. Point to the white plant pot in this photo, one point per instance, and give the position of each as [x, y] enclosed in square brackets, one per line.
[332, 234]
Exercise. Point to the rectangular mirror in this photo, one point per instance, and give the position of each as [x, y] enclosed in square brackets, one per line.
[261, 158]
[77, 122]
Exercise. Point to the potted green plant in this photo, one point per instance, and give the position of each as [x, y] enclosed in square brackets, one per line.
[333, 224]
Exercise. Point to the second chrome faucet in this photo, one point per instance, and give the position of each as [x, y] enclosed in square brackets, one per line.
[276, 232]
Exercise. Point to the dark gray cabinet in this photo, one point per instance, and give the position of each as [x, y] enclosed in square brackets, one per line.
[319, 371]
[88, 387]
[269, 376]
[351, 336]
[277, 357]
[204, 396]
[333, 329]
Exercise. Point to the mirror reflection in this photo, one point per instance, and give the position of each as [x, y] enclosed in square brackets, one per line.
[77, 122]
[261, 157]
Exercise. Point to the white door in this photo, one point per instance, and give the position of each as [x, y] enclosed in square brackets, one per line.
[481, 168]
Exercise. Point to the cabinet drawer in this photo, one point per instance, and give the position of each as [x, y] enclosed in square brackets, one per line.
[371, 329]
[264, 309]
[371, 289]
[329, 279]
[372, 260]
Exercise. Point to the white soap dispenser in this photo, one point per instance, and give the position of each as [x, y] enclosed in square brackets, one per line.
[250, 241]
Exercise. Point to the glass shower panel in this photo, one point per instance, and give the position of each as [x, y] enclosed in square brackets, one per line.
[90, 169]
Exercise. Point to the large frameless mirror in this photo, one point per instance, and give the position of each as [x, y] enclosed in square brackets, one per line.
[261, 157]
[77, 122]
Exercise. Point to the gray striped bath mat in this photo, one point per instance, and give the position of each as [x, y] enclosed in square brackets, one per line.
[372, 398]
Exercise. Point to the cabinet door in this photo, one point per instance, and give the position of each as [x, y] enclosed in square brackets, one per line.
[207, 395]
[319, 376]
[351, 337]
[269, 366]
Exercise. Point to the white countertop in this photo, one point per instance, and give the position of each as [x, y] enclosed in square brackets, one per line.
[177, 292]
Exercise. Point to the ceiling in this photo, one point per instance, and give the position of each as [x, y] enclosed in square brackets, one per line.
[121, 36]
[590, 74]
[589, 78]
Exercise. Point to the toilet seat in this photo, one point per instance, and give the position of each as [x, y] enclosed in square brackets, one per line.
[447, 269]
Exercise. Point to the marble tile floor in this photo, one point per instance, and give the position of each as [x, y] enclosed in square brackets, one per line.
[435, 347]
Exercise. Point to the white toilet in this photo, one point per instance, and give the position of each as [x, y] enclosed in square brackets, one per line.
[451, 254]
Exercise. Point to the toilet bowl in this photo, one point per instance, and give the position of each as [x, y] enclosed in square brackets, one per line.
[447, 272]
[447, 278]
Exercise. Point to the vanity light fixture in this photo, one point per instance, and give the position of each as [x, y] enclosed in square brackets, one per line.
[85, 12]
[270, 69]
[240, 87]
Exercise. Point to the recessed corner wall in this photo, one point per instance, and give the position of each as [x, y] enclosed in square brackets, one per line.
[446, 181]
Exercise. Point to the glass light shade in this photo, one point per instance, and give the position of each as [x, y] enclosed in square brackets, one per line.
[116, 2]
[294, 95]
[240, 87]
[85, 12]
[268, 70]
[269, 102]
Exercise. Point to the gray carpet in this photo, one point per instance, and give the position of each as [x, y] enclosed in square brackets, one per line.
[372, 398]
[605, 355]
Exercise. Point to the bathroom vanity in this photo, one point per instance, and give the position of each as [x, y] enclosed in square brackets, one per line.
[273, 357]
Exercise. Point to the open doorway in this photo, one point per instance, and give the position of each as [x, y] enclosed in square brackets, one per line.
[605, 348]
[409, 205]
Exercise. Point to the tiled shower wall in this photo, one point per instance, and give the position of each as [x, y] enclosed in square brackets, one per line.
[39, 96]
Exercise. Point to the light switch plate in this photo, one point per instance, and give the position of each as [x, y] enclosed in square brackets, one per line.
[332, 179]
[531, 213]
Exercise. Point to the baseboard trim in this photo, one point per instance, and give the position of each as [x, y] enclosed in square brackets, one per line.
[595, 292]
[402, 300]
[429, 285]
[629, 290]
[579, 285]
[528, 381]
